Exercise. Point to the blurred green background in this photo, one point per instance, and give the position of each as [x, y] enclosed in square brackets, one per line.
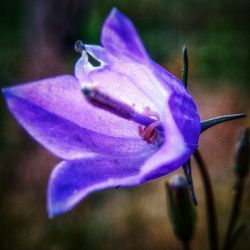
[37, 39]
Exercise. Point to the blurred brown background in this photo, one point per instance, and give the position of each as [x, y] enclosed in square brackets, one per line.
[37, 39]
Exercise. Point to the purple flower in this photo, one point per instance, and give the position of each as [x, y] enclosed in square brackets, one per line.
[121, 122]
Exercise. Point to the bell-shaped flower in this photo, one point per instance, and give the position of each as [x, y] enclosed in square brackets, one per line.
[121, 120]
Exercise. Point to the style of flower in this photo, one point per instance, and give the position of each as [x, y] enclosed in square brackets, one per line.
[121, 120]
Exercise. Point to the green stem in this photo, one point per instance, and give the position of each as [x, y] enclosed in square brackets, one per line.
[185, 245]
[237, 233]
[188, 174]
[210, 206]
[239, 187]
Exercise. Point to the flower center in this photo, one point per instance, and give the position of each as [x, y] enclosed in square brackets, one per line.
[149, 133]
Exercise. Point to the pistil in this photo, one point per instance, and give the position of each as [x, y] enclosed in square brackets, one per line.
[119, 108]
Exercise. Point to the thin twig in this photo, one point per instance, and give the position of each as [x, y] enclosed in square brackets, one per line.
[236, 235]
[185, 245]
[210, 206]
[239, 187]
[188, 174]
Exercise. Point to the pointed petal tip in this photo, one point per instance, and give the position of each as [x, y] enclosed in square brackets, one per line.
[55, 209]
[117, 13]
[51, 215]
[114, 10]
[6, 91]
[114, 13]
[117, 17]
[119, 37]
[54, 213]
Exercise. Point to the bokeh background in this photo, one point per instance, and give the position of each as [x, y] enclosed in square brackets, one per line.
[37, 39]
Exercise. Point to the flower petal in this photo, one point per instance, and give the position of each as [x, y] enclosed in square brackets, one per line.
[119, 35]
[71, 181]
[126, 80]
[120, 38]
[145, 87]
[55, 113]
[147, 84]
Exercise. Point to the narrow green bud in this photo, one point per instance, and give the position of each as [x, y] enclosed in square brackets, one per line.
[184, 71]
[242, 155]
[181, 210]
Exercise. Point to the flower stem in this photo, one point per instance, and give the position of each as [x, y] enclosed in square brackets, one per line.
[210, 206]
[239, 187]
[188, 174]
[185, 245]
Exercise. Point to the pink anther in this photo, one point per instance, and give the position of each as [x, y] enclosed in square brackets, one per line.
[149, 133]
